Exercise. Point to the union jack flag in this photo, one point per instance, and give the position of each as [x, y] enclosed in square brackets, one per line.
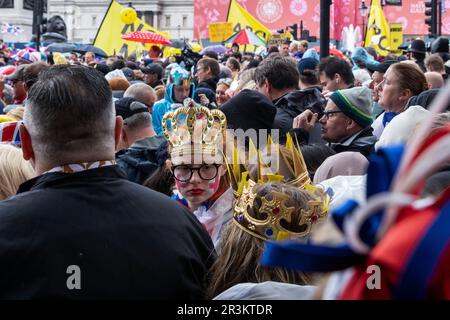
[9, 132]
[11, 29]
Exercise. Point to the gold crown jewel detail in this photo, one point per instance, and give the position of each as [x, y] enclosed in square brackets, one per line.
[193, 129]
[276, 223]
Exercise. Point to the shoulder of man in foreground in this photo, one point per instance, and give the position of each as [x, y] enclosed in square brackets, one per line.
[114, 223]
[41, 202]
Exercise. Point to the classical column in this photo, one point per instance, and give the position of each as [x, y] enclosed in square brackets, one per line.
[149, 17]
[155, 20]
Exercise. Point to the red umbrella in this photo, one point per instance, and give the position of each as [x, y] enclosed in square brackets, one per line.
[333, 52]
[146, 37]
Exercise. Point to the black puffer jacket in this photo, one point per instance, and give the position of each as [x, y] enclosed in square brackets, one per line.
[292, 104]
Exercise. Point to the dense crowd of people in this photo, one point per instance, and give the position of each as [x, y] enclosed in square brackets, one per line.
[162, 179]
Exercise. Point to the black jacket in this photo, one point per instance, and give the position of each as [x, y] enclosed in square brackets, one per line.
[363, 142]
[128, 241]
[139, 161]
[425, 99]
[249, 109]
[292, 104]
[421, 64]
[210, 83]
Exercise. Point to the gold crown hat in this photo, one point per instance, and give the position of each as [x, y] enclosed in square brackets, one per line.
[194, 130]
[277, 213]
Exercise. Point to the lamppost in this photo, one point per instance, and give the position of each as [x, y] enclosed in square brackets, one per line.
[363, 9]
[325, 28]
[38, 11]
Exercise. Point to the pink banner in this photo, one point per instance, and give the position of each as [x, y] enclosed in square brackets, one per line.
[277, 14]
[342, 15]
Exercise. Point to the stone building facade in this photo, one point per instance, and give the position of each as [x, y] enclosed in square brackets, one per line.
[83, 17]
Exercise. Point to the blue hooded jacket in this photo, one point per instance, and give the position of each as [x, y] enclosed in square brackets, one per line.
[165, 105]
[360, 54]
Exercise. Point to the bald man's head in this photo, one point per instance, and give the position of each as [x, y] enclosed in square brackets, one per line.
[434, 80]
[143, 93]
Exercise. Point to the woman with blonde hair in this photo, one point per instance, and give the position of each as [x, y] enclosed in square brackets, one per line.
[246, 81]
[14, 170]
[271, 204]
[16, 113]
[221, 92]
[238, 262]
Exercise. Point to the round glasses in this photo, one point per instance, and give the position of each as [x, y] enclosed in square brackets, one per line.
[183, 173]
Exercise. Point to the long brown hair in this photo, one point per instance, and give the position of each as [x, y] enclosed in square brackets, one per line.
[240, 252]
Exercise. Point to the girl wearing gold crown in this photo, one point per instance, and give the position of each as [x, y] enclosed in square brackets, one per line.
[195, 137]
[277, 211]
[270, 205]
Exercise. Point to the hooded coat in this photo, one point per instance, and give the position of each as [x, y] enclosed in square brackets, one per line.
[165, 105]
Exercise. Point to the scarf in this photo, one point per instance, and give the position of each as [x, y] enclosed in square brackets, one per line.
[78, 167]
[388, 116]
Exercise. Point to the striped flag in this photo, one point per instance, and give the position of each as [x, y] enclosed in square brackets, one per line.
[9, 132]
[11, 29]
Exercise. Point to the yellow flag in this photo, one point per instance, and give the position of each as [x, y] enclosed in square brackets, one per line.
[378, 31]
[112, 28]
[396, 37]
[240, 19]
[220, 31]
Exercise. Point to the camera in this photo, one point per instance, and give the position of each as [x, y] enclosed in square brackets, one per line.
[189, 57]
